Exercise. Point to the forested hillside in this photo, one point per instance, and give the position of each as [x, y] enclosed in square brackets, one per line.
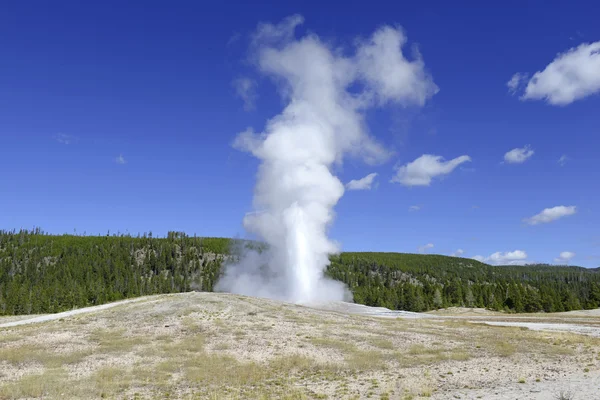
[42, 273]
[419, 282]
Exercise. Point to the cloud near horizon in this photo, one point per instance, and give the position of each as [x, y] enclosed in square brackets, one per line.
[458, 253]
[517, 257]
[425, 248]
[551, 214]
[364, 183]
[424, 169]
[564, 257]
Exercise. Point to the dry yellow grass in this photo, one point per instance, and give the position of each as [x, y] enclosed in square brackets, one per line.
[227, 347]
[384, 344]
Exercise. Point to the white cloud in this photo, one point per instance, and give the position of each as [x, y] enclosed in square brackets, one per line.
[564, 257]
[517, 257]
[120, 159]
[245, 89]
[551, 214]
[267, 33]
[363, 183]
[571, 76]
[515, 82]
[414, 208]
[393, 77]
[457, 253]
[421, 171]
[64, 139]
[518, 155]
[563, 160]
[424, 248]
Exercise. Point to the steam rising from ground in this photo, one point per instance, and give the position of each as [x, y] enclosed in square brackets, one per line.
[296, 191]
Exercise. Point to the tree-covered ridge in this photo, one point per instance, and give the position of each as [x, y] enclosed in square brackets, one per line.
[419, 282]
[45, 273]
[42, 273]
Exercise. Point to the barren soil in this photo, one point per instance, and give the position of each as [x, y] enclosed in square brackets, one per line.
[220, 346]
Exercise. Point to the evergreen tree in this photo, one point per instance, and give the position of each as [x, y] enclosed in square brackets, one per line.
[42, 273]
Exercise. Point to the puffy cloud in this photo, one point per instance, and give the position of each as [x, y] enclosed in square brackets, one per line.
[421, 171]
[518, 155]
[571, 76]
[362, 184]
[457, 253]
[120, 159]
[517, 257]
[551, 214]
[245, 89]
[414, 208]
[564, 257]
[424, 248]
[392, 76]
[562, 160]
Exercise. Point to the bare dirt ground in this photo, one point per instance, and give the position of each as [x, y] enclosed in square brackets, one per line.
[7, 322]
[585, 322]
[220, 346]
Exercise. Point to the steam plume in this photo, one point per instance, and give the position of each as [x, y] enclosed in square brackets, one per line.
[322, 122]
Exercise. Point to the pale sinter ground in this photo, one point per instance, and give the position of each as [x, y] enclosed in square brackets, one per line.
[220, 346]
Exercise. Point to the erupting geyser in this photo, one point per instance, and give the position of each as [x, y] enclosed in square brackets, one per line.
[296, 191]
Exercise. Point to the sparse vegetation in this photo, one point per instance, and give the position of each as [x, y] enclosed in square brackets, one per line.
[564, 395]
[504, 349]
[385, 344]
[160, 350]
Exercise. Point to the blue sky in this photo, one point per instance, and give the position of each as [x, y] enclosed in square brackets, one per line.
[120, 116]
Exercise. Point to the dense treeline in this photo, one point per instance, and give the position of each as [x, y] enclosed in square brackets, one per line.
[418, 282]
[42, 273]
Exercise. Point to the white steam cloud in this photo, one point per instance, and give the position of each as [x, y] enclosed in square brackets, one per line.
[322, 122]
